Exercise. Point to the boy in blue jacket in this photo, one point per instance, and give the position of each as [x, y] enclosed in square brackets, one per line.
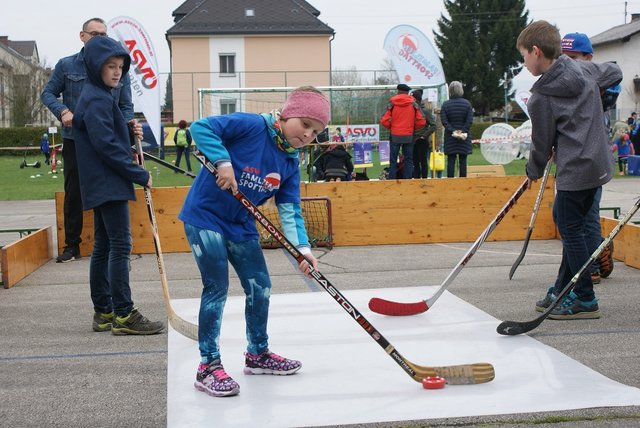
[107, 174]
[258, 155]
[567, 117]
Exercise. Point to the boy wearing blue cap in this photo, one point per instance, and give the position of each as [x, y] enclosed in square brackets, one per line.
[566, 116]
[578, 46]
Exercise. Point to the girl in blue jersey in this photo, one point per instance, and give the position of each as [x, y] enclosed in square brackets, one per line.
[258, 155]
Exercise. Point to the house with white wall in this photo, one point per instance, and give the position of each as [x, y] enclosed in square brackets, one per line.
[245, 44]
[622, 45]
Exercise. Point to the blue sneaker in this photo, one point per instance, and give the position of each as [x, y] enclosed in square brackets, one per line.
[573, 308]
[542, 305]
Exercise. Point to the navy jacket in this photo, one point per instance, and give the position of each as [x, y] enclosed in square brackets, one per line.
[456, 113]
[67, 79]
[103, 145]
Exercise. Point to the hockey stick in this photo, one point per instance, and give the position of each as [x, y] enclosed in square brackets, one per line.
[455, 375]
[387, 307]
[165, 163]
[180, 325]
[532, 222]
[512, 328]
[312, 285]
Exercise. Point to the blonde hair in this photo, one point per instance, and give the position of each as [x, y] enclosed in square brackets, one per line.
[543, 35]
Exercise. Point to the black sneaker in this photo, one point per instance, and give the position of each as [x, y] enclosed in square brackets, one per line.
[135, 323]
[102, 322]
[69, 254]
[606, 260]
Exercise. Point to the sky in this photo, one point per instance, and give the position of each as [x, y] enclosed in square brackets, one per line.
[360, 25]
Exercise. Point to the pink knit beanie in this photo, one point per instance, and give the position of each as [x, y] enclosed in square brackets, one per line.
[306, 103]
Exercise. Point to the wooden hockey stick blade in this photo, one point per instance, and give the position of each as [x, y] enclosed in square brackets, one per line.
[465, 374]
[460, 374]
[513, 328]
[180, 325]
[386, 307]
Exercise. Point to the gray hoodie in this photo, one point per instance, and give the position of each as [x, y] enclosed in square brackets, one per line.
[566, 114]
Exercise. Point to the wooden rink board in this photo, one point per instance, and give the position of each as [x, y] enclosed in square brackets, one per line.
[367, 212]
[384, 212]
[25, 255]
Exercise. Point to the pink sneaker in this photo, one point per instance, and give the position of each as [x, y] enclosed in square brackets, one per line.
[213, 380]
[270, 363]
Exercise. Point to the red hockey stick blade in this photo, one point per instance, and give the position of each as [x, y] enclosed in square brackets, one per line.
[386, 307]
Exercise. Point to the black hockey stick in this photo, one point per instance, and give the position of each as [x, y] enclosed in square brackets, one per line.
[512, 328]
[456, 375]
[387, 307]
[180, 325]
[532, 222]
[165, 163]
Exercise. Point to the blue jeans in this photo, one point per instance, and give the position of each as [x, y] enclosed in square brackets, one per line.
[109, 267]
[592, 228]
[570, 211]
[407, 151]
[211, 251]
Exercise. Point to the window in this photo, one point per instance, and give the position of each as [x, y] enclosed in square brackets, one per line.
[227, 64]
[227, 106]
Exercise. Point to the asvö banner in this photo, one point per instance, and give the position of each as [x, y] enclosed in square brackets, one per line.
[414, 57]
[143, 73]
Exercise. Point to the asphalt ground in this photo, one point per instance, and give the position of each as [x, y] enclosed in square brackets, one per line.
[55, 371]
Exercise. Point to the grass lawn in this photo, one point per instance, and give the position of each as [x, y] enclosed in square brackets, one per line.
[18, 184]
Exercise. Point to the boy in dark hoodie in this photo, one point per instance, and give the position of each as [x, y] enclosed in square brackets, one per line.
[566, 116]
[107, 174]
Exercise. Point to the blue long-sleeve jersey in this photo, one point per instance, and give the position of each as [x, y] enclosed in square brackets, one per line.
[261, 169]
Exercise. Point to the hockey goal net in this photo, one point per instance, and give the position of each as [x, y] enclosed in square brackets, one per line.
[317, 220]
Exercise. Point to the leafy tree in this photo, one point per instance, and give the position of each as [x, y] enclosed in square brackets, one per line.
[478, 45]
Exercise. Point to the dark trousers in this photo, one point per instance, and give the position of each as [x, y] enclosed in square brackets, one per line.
[451, 165]
[179, 151]
[570, 211]
[109, 267]
[72, 200]
[420, 158]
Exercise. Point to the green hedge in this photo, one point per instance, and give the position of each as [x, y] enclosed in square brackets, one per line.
[23, 137]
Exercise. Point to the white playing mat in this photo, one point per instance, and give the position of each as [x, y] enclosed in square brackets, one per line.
[347, 378]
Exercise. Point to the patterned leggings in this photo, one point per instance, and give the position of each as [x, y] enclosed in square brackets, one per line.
[212, 251]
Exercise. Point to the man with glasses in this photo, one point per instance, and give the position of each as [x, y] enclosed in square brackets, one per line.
[67, 79]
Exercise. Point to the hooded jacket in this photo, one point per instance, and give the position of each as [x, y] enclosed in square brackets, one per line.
[402, 118]
[103, 144]
[566, 114]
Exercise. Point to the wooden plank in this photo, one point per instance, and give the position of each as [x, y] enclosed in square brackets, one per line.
[485, 171]
[426, 211]
[25, 255]
[625, 248]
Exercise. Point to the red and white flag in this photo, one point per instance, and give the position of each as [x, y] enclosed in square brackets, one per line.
[414, 57]
[144, 74]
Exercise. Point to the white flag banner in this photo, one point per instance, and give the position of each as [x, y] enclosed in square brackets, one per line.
[143, 73]
[522, 98]
[414, 57]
